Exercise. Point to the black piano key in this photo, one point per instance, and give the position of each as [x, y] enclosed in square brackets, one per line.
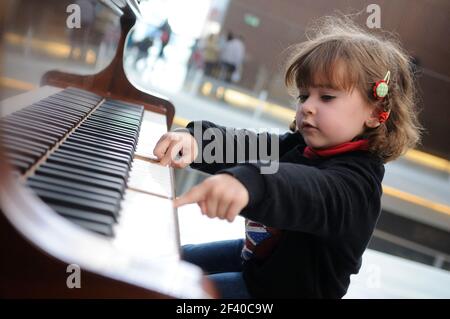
[83, 214]
[76, 185]
[33, 126]
[92, 151]
[71, 113]
[106, 141]
[118, 111]
[108, 135]
[67, 116]
[66, 105]
[76, 155]
[31, 135]
[92, 181]
[101, 145]
[72, 201]
[81, 93]
[51, 128]
[25, 141]
[133, 124]
[114, 205]
[125, 105]
[99, 176]
[108, 111]
[54, 123]
[110, 128]
[91, 166]
[124, 127]
[71, 102]
[23, 151]
[26, 159]
[20, 165]
[101, 229]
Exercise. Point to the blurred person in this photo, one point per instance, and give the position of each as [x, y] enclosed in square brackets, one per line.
[211, 55]
[165, 35]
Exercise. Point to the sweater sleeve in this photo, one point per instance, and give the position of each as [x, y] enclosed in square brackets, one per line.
[221, 147]
[326, 202]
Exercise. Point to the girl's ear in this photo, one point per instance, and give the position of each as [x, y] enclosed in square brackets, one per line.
[373, 120]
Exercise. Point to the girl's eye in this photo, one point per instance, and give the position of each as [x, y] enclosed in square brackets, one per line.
[302, 98]
[327, 97]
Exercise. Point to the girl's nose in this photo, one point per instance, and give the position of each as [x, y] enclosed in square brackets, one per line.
[307, 108]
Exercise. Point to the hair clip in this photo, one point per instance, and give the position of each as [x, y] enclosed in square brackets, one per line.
[381, 88]
[383, 116]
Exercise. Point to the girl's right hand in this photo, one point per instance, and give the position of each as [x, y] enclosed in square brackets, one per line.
[176, 149]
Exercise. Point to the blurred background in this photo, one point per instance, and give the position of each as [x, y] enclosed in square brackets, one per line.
[222, 61]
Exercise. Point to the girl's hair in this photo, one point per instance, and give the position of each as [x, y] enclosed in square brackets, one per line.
[365, 58]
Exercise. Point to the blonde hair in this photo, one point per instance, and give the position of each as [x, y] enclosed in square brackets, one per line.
[366, 59]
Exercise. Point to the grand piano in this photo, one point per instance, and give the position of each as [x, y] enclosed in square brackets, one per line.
[86, 212]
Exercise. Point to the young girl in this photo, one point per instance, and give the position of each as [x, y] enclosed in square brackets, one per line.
[309, 223]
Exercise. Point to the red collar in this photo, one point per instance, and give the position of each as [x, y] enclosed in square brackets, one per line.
[363, 145]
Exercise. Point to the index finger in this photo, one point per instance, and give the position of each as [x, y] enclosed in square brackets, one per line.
[194, 195]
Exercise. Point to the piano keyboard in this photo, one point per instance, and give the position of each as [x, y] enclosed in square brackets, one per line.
[80, 154]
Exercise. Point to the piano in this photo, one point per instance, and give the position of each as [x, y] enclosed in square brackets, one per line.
[81, 191]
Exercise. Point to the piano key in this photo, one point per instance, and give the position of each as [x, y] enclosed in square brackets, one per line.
[76, 145]
[150, 178]
[66, 105]
[117, 119]
[125, 105]
[109, 111]
[45, 119]
[80, 179]
[20, 165]
[99, 133]
[34, 136]
[114, 164]
[101, 145]
[25, 141]
[114, 204]
[33, 126]
[80, 92]
[146, 219]
[120, 184]
[76, 185]
[91, 166]
[75, 202]
[102, 229]
[68, 101]
[26, 159]
[116, 124]
[30, 123]
[24, 151]
[77, 148]
[65, 116]
[78, 95]
[103, 140]
[110, 128]
[83, 214]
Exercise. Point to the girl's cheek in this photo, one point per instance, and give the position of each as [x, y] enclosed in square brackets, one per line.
[298, 116]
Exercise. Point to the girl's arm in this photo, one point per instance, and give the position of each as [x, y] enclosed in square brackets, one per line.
[222, 148]
[327, 202]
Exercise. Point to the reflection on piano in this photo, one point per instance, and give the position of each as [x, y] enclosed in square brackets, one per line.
[85, 189]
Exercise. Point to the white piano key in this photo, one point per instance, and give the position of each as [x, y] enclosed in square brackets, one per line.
[151, 178]
[147, 227]
[152, 128]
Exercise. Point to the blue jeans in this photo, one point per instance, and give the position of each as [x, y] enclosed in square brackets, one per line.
[222, 262]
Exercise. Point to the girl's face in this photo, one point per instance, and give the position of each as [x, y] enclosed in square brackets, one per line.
[327, 117]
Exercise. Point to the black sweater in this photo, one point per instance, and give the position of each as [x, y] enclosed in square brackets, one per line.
[326, 207]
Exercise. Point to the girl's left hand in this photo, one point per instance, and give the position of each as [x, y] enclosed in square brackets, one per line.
[221, 196]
